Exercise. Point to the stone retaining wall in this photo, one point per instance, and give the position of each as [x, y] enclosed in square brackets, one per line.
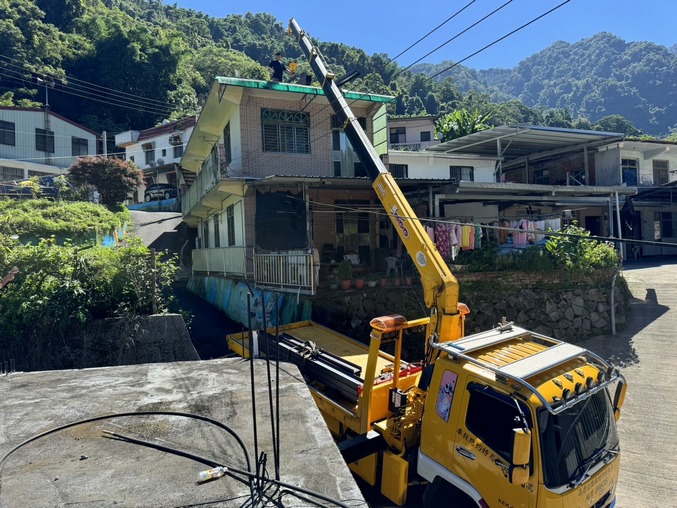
[556, 305]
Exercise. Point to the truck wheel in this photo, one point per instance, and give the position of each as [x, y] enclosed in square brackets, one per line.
[441, 493]
[147, 198]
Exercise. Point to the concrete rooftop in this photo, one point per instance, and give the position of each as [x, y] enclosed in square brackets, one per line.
[80, 467]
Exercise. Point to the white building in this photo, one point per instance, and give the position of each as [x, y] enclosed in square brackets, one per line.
[411, 134]
[157, 151]
[36, 142]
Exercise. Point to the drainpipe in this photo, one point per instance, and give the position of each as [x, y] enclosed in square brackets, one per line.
[613, 300]
[620, 231]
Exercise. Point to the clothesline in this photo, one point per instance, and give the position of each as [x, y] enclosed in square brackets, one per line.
[454, 236]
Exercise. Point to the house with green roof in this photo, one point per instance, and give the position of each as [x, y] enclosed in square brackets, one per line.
[274, 176]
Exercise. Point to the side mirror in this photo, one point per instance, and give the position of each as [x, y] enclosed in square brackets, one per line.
[521, 447]
[518, 473]
[619, 398]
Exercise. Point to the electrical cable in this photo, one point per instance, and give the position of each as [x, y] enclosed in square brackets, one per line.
[439, 220]
[270, 388]
[499, 39]
[209, 462]
[253, 391]
[175, 451]
[66, 81]
[452, 39]
[433, 30]
[352, 101]
[206, 419]
[277, 382]
[113, 101]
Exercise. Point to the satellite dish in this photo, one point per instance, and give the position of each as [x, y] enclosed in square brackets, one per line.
[152, 164]
[160, 162]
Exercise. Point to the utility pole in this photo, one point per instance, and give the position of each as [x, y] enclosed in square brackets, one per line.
[47, 124]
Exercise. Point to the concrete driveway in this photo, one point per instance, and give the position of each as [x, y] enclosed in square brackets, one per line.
[646, 352]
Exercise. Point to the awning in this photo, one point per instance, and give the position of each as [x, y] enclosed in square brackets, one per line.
[511, 143]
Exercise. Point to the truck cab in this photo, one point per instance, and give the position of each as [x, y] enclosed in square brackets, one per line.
[487, 387]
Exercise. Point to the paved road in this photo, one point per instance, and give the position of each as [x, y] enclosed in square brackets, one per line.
[209, 326]
[647, 354]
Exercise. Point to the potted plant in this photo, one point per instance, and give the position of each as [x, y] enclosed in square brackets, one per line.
[383, 280]
[332, 279]
[359, 281]
[372, 280]
[344, 271]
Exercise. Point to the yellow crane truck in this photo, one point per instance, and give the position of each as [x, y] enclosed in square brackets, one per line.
[505, 418]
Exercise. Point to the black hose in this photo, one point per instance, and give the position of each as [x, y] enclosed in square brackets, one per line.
[277, 384]
[288, 489]
[135, 413]
[270, 388]
[253, 391]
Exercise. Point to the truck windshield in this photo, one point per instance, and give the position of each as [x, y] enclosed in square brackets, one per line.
[570, 439]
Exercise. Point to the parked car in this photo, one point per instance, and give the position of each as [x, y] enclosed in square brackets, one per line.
[159, 191]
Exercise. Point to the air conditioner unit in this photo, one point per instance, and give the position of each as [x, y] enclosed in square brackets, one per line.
[175, 140]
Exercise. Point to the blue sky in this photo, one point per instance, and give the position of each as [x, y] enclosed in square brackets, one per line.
[391, 27]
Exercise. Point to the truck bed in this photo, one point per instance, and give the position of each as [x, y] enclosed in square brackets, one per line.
[328, 359]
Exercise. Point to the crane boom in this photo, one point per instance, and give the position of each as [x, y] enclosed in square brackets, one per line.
[440, 287]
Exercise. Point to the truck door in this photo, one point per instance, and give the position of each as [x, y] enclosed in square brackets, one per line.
[483, 442]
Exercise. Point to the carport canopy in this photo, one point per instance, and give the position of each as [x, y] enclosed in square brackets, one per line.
[514, 143]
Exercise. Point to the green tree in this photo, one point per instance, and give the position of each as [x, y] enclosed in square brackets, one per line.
[114, 178]
[61, 13]
[616, 123]
[460, 123]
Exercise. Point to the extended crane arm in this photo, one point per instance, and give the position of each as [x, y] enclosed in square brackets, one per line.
[440, 287]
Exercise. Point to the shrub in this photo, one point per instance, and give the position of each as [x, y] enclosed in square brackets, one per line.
[43, 218]
[573, 251]
[61, 287]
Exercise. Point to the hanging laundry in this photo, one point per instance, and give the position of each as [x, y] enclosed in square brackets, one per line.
[442, 240]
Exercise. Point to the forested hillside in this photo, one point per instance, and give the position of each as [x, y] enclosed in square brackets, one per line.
[116, 64]
[593, 78]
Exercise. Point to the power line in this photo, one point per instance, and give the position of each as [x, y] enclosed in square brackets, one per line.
[433, 30]
[499, 39]
[86, 84]
[19, 70]
[112, 101]
[454, 37]
[473, 54]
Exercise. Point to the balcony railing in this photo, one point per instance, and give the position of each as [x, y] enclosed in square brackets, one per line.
[405, 147]
[290, 270]
[223, 260]
[287, 271]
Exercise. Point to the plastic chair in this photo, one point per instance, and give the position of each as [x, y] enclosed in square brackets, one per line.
[394, 266]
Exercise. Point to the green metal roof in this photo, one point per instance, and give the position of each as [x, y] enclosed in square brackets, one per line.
[296, 88]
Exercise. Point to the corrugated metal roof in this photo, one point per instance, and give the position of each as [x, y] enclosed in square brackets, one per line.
[296, 88]
[516, 141]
